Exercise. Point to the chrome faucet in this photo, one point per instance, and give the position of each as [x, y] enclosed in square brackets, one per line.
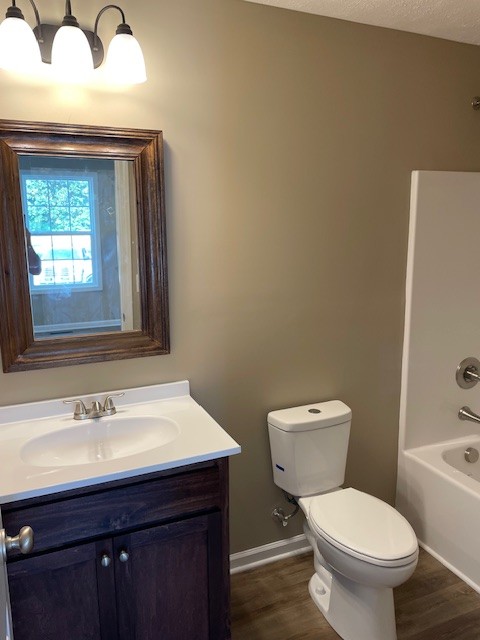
[97, 410]
[466, 413]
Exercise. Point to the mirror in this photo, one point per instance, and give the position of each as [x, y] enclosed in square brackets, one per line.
[81, 238]
[82, 245]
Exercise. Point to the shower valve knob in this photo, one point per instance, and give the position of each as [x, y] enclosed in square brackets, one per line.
[468, 373]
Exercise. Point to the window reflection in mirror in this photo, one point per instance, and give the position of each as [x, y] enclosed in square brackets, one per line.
[81, 244]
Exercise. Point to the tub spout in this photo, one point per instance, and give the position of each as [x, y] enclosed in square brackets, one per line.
[466, 413]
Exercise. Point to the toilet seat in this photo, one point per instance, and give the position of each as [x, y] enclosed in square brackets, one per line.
[364, 527]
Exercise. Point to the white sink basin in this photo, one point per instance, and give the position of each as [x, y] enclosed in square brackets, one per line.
[43, 450]
[94, 441]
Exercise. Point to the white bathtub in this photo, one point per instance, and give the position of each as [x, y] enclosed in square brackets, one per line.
[439, 495]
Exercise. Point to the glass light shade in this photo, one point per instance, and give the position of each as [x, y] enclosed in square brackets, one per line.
[19, 50]
[125, 63]
[71, 54]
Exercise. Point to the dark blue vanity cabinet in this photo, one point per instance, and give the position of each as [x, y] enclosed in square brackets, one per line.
[140, 559]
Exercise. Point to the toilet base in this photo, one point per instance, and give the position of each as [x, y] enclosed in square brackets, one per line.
[354, 611]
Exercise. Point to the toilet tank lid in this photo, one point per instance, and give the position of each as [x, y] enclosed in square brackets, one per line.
[310, 416]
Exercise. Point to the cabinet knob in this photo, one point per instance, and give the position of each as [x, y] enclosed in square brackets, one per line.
[106, 560]
[124, 555]
[23, 542]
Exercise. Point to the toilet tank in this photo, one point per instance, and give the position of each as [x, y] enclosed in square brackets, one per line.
[309, 446]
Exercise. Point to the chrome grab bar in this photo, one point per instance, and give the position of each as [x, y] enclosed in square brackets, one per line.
[466, 413]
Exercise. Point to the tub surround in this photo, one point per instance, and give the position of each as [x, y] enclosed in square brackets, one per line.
[436, 488]
[25, 428]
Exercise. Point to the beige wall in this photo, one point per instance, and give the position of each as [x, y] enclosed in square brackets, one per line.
[290, 141]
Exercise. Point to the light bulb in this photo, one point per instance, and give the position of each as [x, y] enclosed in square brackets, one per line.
[125, 63]
[19, 50]
[71, 54]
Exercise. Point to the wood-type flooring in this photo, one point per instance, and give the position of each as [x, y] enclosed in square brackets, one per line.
[272, 603]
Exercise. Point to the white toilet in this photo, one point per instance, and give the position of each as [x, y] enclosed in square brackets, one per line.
[363, 547]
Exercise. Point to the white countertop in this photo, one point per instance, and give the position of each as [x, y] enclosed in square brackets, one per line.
[198, 438]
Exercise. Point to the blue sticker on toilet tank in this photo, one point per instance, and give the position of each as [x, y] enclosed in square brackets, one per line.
[279, 467]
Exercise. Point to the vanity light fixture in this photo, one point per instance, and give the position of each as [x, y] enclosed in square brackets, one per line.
[19, 50]
[72, 51]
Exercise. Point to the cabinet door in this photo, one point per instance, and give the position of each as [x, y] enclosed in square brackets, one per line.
[64, 594]
[168, 578]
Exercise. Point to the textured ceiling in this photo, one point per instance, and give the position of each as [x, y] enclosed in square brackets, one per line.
[457, 20]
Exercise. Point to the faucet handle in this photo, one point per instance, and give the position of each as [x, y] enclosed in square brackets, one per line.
[80, 412]
[109, 408]
[95, 410]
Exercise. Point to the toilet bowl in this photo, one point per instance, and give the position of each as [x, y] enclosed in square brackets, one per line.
[362, 537]
[363, 547]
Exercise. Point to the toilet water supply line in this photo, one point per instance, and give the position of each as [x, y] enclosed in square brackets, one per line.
[279, 514]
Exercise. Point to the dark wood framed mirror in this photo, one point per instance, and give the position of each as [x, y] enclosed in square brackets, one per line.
[83, 265]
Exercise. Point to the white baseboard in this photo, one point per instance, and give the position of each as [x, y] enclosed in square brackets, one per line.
[271, 552]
